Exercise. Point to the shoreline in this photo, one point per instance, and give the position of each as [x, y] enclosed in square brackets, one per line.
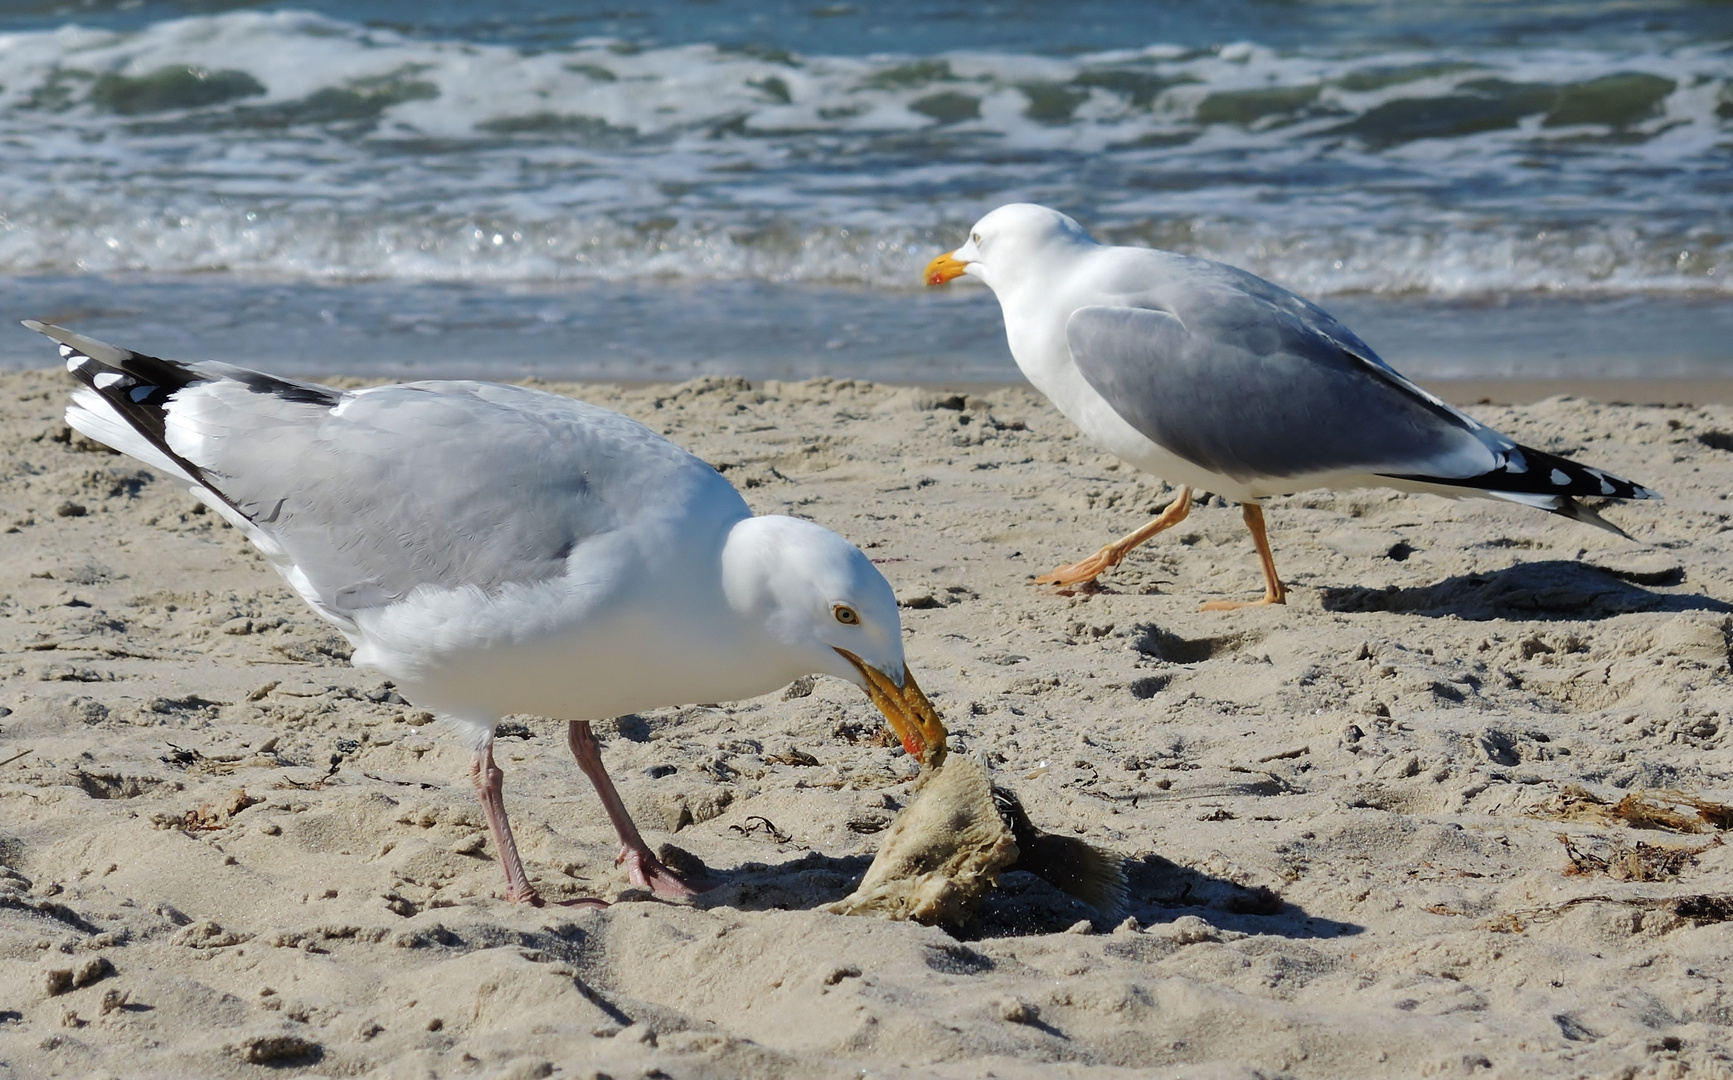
[670, 331]
[1462, 392]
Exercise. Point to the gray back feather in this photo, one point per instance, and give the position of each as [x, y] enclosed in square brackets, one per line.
[448, 484]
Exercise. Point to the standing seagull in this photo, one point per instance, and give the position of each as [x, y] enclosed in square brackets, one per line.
[1211, 377]
[500, 550]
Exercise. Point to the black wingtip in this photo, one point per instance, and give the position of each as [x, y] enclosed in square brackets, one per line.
[1523, 470]
[137, 386]
[132, 372]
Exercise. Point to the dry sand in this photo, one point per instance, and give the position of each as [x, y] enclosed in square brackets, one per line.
[1345, 815]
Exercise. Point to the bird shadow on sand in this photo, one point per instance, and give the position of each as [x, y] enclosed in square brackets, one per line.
[1159, 892]
[1550, 589]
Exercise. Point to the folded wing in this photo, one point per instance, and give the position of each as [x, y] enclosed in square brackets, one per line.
[1245, 379]
[359, 498]
[1252, 393]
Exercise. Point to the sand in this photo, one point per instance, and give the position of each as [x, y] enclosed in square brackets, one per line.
[1372, 833]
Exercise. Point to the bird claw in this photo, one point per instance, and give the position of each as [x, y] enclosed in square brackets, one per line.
[1078, 573]
[647, 872]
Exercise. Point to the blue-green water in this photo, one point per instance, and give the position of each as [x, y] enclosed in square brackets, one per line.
[679, 186]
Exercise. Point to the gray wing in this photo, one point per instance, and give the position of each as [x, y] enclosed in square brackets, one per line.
[368, 495]
[1249, 385]
[449, 484]
[445, 484]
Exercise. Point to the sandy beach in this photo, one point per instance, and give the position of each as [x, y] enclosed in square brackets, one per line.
[1390, 829]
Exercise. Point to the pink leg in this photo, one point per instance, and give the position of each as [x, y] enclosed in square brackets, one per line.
[488, 780]
[642, 866]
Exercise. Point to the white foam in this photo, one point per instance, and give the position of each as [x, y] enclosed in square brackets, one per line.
[692, 161]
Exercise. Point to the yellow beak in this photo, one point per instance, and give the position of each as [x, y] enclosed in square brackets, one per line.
[907, 710]
[945, 268]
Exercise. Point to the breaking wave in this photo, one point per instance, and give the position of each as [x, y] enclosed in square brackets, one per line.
[292, 145]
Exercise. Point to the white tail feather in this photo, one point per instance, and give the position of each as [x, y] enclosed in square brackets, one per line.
[92, 416]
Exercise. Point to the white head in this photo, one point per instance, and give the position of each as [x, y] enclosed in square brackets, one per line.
[826, 608]
[1008, 242]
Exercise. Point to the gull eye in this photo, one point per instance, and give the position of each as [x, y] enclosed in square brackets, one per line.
[846, 615]
[975, 236]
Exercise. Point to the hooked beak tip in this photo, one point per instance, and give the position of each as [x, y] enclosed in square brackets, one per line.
[946, 267]
[906, 709]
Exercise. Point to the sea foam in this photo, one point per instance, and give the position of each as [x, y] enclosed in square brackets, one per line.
[289, 144]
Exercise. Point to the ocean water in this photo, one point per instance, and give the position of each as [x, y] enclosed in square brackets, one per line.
[683, 186]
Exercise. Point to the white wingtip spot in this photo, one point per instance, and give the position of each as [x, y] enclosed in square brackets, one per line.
[106, 379]
[66, 351]
[1559, 478]
[75, 363]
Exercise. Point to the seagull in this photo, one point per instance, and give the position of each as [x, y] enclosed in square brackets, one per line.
[1213, 378]
[495, 550]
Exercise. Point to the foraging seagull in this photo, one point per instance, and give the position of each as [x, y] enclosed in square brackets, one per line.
[496, 550]
[1210, 377]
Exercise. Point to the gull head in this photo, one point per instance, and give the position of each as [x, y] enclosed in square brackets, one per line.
[825, 608]
[1009, 242]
